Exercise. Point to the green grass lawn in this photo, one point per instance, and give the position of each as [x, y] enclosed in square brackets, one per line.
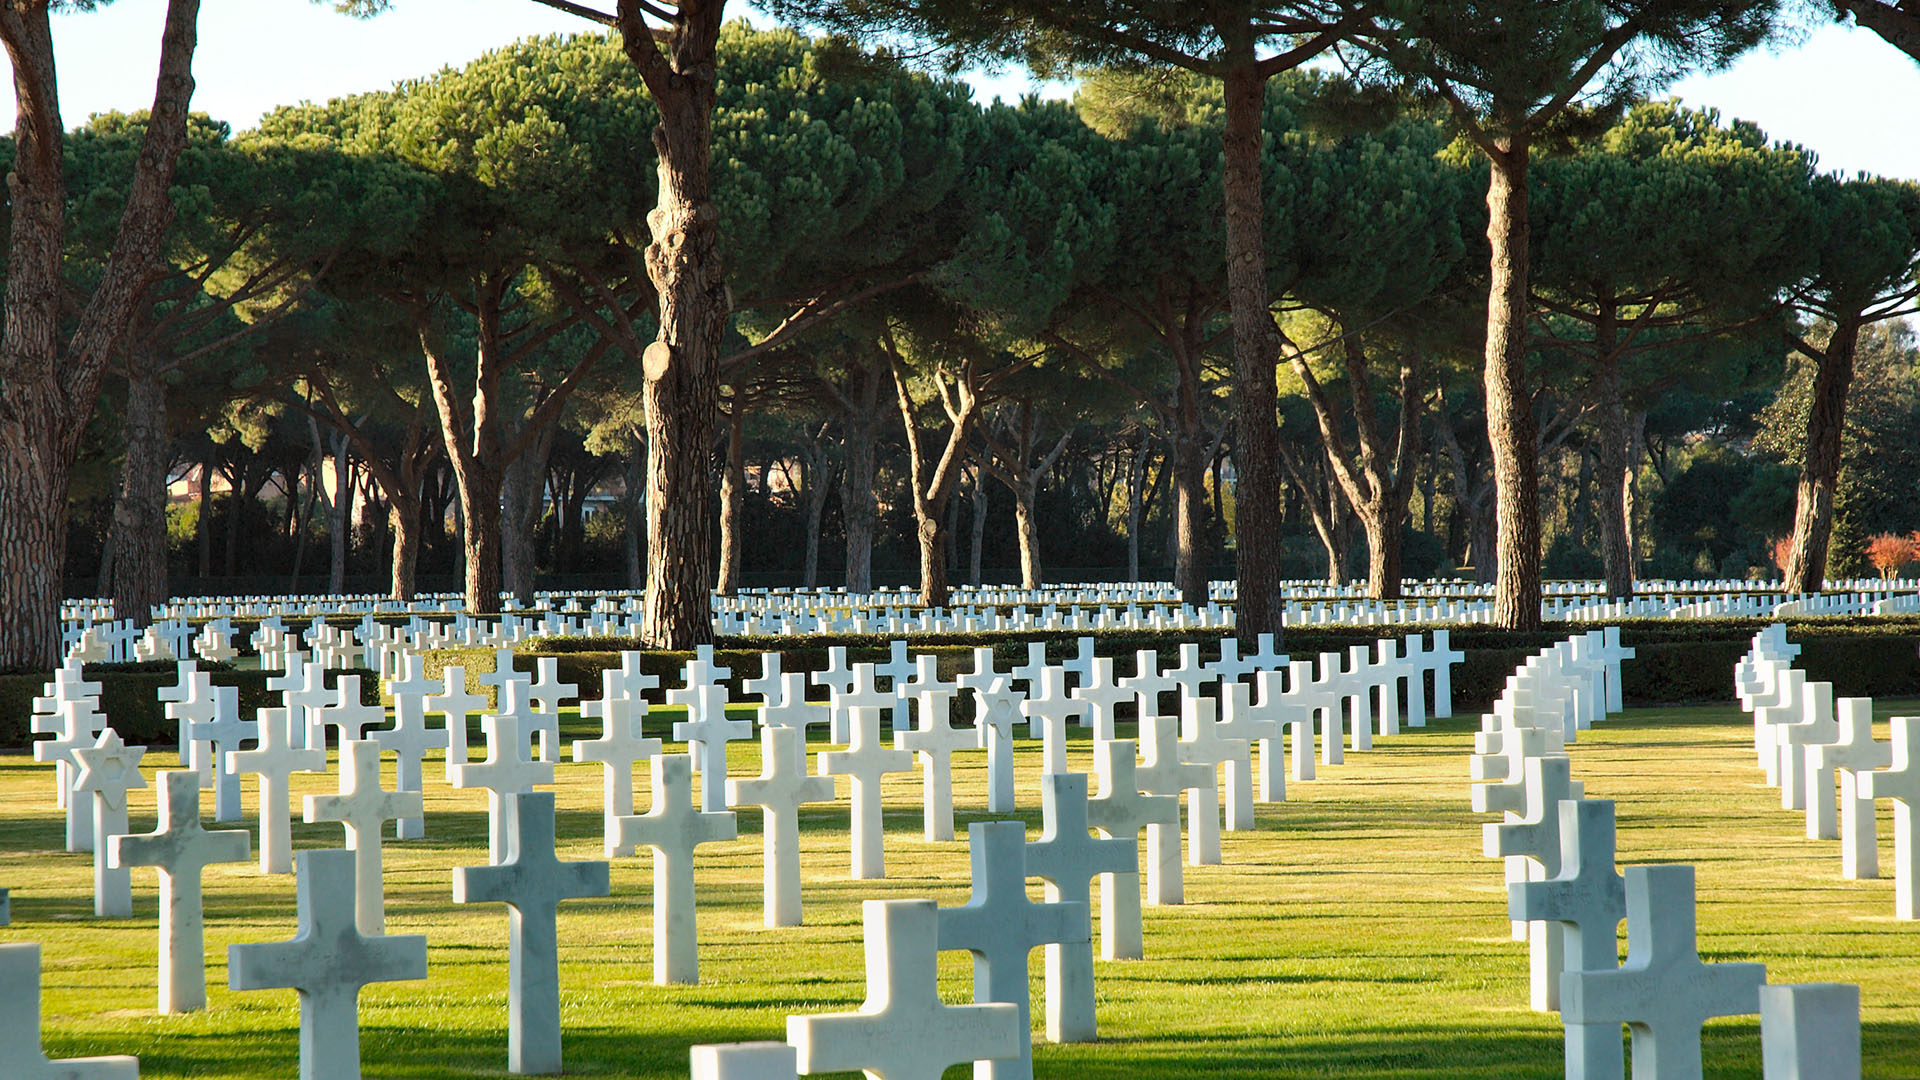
[1357, 933]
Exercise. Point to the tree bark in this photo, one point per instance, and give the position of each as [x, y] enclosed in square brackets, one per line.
[1820, 474]
[523, 488]
[1189, 517]
[140, 511]
[48, 388]
[403, 514]
[733, 498]
[819, 474]
[203, 527]
[1255, 348]
[682, 365]
[862, 423]
[1136, 484]
[1511, 429]
[977, 541]
[339, 513]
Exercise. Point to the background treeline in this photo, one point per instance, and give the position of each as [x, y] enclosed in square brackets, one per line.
[1056, 263]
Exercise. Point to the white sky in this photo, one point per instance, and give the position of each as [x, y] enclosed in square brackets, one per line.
[1844, 93]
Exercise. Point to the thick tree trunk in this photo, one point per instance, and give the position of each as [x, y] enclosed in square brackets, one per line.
[140, 511]
[1136, 484]
[977, 541]
[1255, 347]
[524, 492]
[681, 366]
[1510, 424]
[339, 513]
[819, 476]
[1610, 496]
[857, 501]
[48, 388]
[1189, 519]
[480, 540]
[203, 527]
[1027, 528]
[733, 499]
[1382, 528]
[403, 514]
[932, 535]
[1820, 475]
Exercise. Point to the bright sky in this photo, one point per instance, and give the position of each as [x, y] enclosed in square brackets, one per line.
[1846, 94]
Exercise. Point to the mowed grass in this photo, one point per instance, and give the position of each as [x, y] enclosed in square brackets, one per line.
[1358, 932]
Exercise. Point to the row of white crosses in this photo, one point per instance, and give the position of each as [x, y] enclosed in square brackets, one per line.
[1570, 901]
[1819, 751]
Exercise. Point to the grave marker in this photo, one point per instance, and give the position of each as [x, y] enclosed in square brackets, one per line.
[673, 829]
[782, 787]
[363, 807]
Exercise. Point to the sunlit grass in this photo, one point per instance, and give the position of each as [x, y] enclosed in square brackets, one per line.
[1357, 933]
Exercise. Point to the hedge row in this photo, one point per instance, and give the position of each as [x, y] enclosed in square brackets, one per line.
[129, 697]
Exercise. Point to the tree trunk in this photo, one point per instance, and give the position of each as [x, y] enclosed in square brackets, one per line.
[239, 494]
[203, 527]
[1255, 397]
[404, 515]
[857, 502]
[524, 491]
[1382, 528]
[339, 513]
[48, 389]
[1820, 475]
[1610, 494]
[931, 531]
[819, 474]
[733, 498]
[633, 505]
[681, 366]
[1189, 518]
[1136, 483]
[480, 540]
[1510, 424]
[140, 511]
[977, 541]
[1028, 530]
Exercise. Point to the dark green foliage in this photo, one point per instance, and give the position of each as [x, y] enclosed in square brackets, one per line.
[128, 698]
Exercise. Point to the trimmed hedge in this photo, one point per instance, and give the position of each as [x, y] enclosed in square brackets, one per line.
[129, 696]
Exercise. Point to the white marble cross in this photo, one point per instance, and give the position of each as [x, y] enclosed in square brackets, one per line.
[867, 760]
[1068, 858]
[1813, 724]
[1147, 683]
[531, 882]
[837, 678]
[328, 960]
[363, 807]
[1000, 925]
[76, 724]
[507, 770]
[408, 740]
[108, 770]
[768, 684]
[1357, 682]
[996, 709]
[1328, 692]
[934, 740]
[274, 760]
[707, 729]
[903, 1031]
[1242, 722]
[455, 704]
[225, 732]
[180, 849]
[1102, 695]
[306, 700]
[1201, 744]
[743, 1061]
[1120, 810]
[1163, 772]
[1586, 899]
[20, 1027]
[897, 670]
[548, 695]
[347, 715]
[782, 787]
[1853, 752]
[793, 710]
[1389, 670]
[1900, 782]
[1810, 1031]
[619, 747]
[673, 829]
[1047, 709]
[1663, 993]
